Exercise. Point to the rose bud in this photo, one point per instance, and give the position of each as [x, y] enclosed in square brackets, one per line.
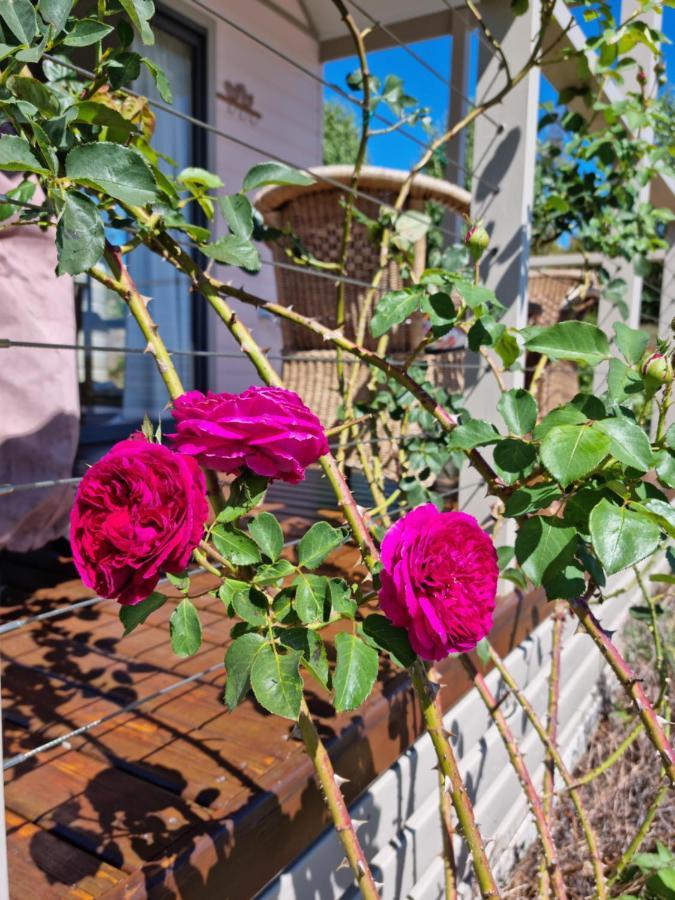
[476, 240]
[657, 367]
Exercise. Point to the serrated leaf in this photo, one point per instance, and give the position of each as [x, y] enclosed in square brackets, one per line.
[355, 671]
[182, 582]
[274, 173]
[342, 599]
[504, 556]
[567, 584]
[518, 408]
[276, 681]
[186, 629]
[513, 458]
[317, 543]
[19, 16]
[544, 546]
[529, 499]
[159, 77]
[238, 213]
[39, 95]
[474, 433]
[246, 492]
[313, 650]
[132, 616]
[274, 572]
[631, 343]
[55, 12]
[580, 341]
[119, 172]
[659, 511]
[516, 576]
[16, 155]
[392, 309]
[474, 295]
[563, 415]
[571, 451]
[194, 176]
[140, 12]
[238, 663]
[267, 533]
[237, 547]
[94, 113]
[228, 589]
[86, 32]
[620, 536]
[80, 237]
[251, 605]
[622, 381]
[665, 467]
[233, 250]
[310, 596]
[390, 638]
[628, 442]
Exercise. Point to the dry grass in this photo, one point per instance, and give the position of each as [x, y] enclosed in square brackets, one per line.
[618, 799]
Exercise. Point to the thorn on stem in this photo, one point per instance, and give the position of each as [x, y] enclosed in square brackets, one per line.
[339, 780]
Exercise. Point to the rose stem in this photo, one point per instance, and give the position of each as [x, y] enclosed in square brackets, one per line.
[450, 772]
[521, 770]
[626, 857]
[630, 683]
[535, 721]
[336, 804]
[551, 727]
[445, 814]
[121, 282]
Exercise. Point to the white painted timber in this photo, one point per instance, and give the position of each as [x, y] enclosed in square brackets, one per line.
[401, 835]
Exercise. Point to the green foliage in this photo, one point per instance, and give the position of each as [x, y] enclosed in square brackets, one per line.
[276, 680]
[238, 662]
[132, 616]
[236, 546]
[355, 671]
[79, 235]
[621, 537]
[319, 541]
[579, 341]
[185, 628]
[340, 134]
[267, 533]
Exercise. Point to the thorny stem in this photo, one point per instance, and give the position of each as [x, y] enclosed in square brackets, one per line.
[612, 758]
[336, 804]
[584, 821]
[664, 406]
[522, 772]
[626, 857]
[630, 683]
[552, 725]
[445, 815]
[453, 781]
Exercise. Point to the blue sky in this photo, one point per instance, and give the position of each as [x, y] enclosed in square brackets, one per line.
[400, 152]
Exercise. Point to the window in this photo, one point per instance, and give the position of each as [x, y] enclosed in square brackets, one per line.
[117, 388]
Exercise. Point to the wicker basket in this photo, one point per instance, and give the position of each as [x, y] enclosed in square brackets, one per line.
[315, 214]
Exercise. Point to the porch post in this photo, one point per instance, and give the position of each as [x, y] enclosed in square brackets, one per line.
[507, 160]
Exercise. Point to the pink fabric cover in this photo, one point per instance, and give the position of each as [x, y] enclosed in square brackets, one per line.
[439, 580]
[39, 425]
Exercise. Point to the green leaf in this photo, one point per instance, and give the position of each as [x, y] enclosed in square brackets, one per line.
[194, 177]
[529, 499]
[504, 556]
[620, 536]
[516, 576]
[274, 173]
[238, 213]
[622, 381]
[665, 467]
[662, 884]
[483, 651]
[571, 451]
[186, 629]
[182, 581]
[246, 492]
[310, 596]
[474, 433]
[474, 295]
[390, 638]
[412, 225]
[251, 605]
[313, 650]
[228, 589]
[235, 546]
[392, 309]
[19, 16]
[94, 113]
[267, 533]
[519, 410]
[274, 572]
[160, 79]
[571, 340]
[233, 250]
[80, 237]
[119, 172]
[630, 342]
[342, 599]
[513, 458]
[441, 311]
[276, 681]
[55, 12]
[238, 662]
[507, 348]
[16, 155]
[131, 616]
[33, 91]
[86, 32]
[544, 546]
[355, 671]
[563, 415]
[140, 11]
[319, 541]
[628, 442]
[658, 511]
[568, 584]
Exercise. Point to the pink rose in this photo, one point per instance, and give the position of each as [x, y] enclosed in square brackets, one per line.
[139, 511]
[439, 580]
[268, 430]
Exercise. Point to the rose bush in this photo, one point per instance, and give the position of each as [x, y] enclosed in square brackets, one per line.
[139, 511]
[439, 580]
[268, 430]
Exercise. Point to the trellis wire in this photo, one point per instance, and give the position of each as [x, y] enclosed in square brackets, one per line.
[324, 179]
[419, 59]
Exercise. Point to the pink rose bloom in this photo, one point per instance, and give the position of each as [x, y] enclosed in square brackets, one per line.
[268, 430]
[439, 580]
[139, 511]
